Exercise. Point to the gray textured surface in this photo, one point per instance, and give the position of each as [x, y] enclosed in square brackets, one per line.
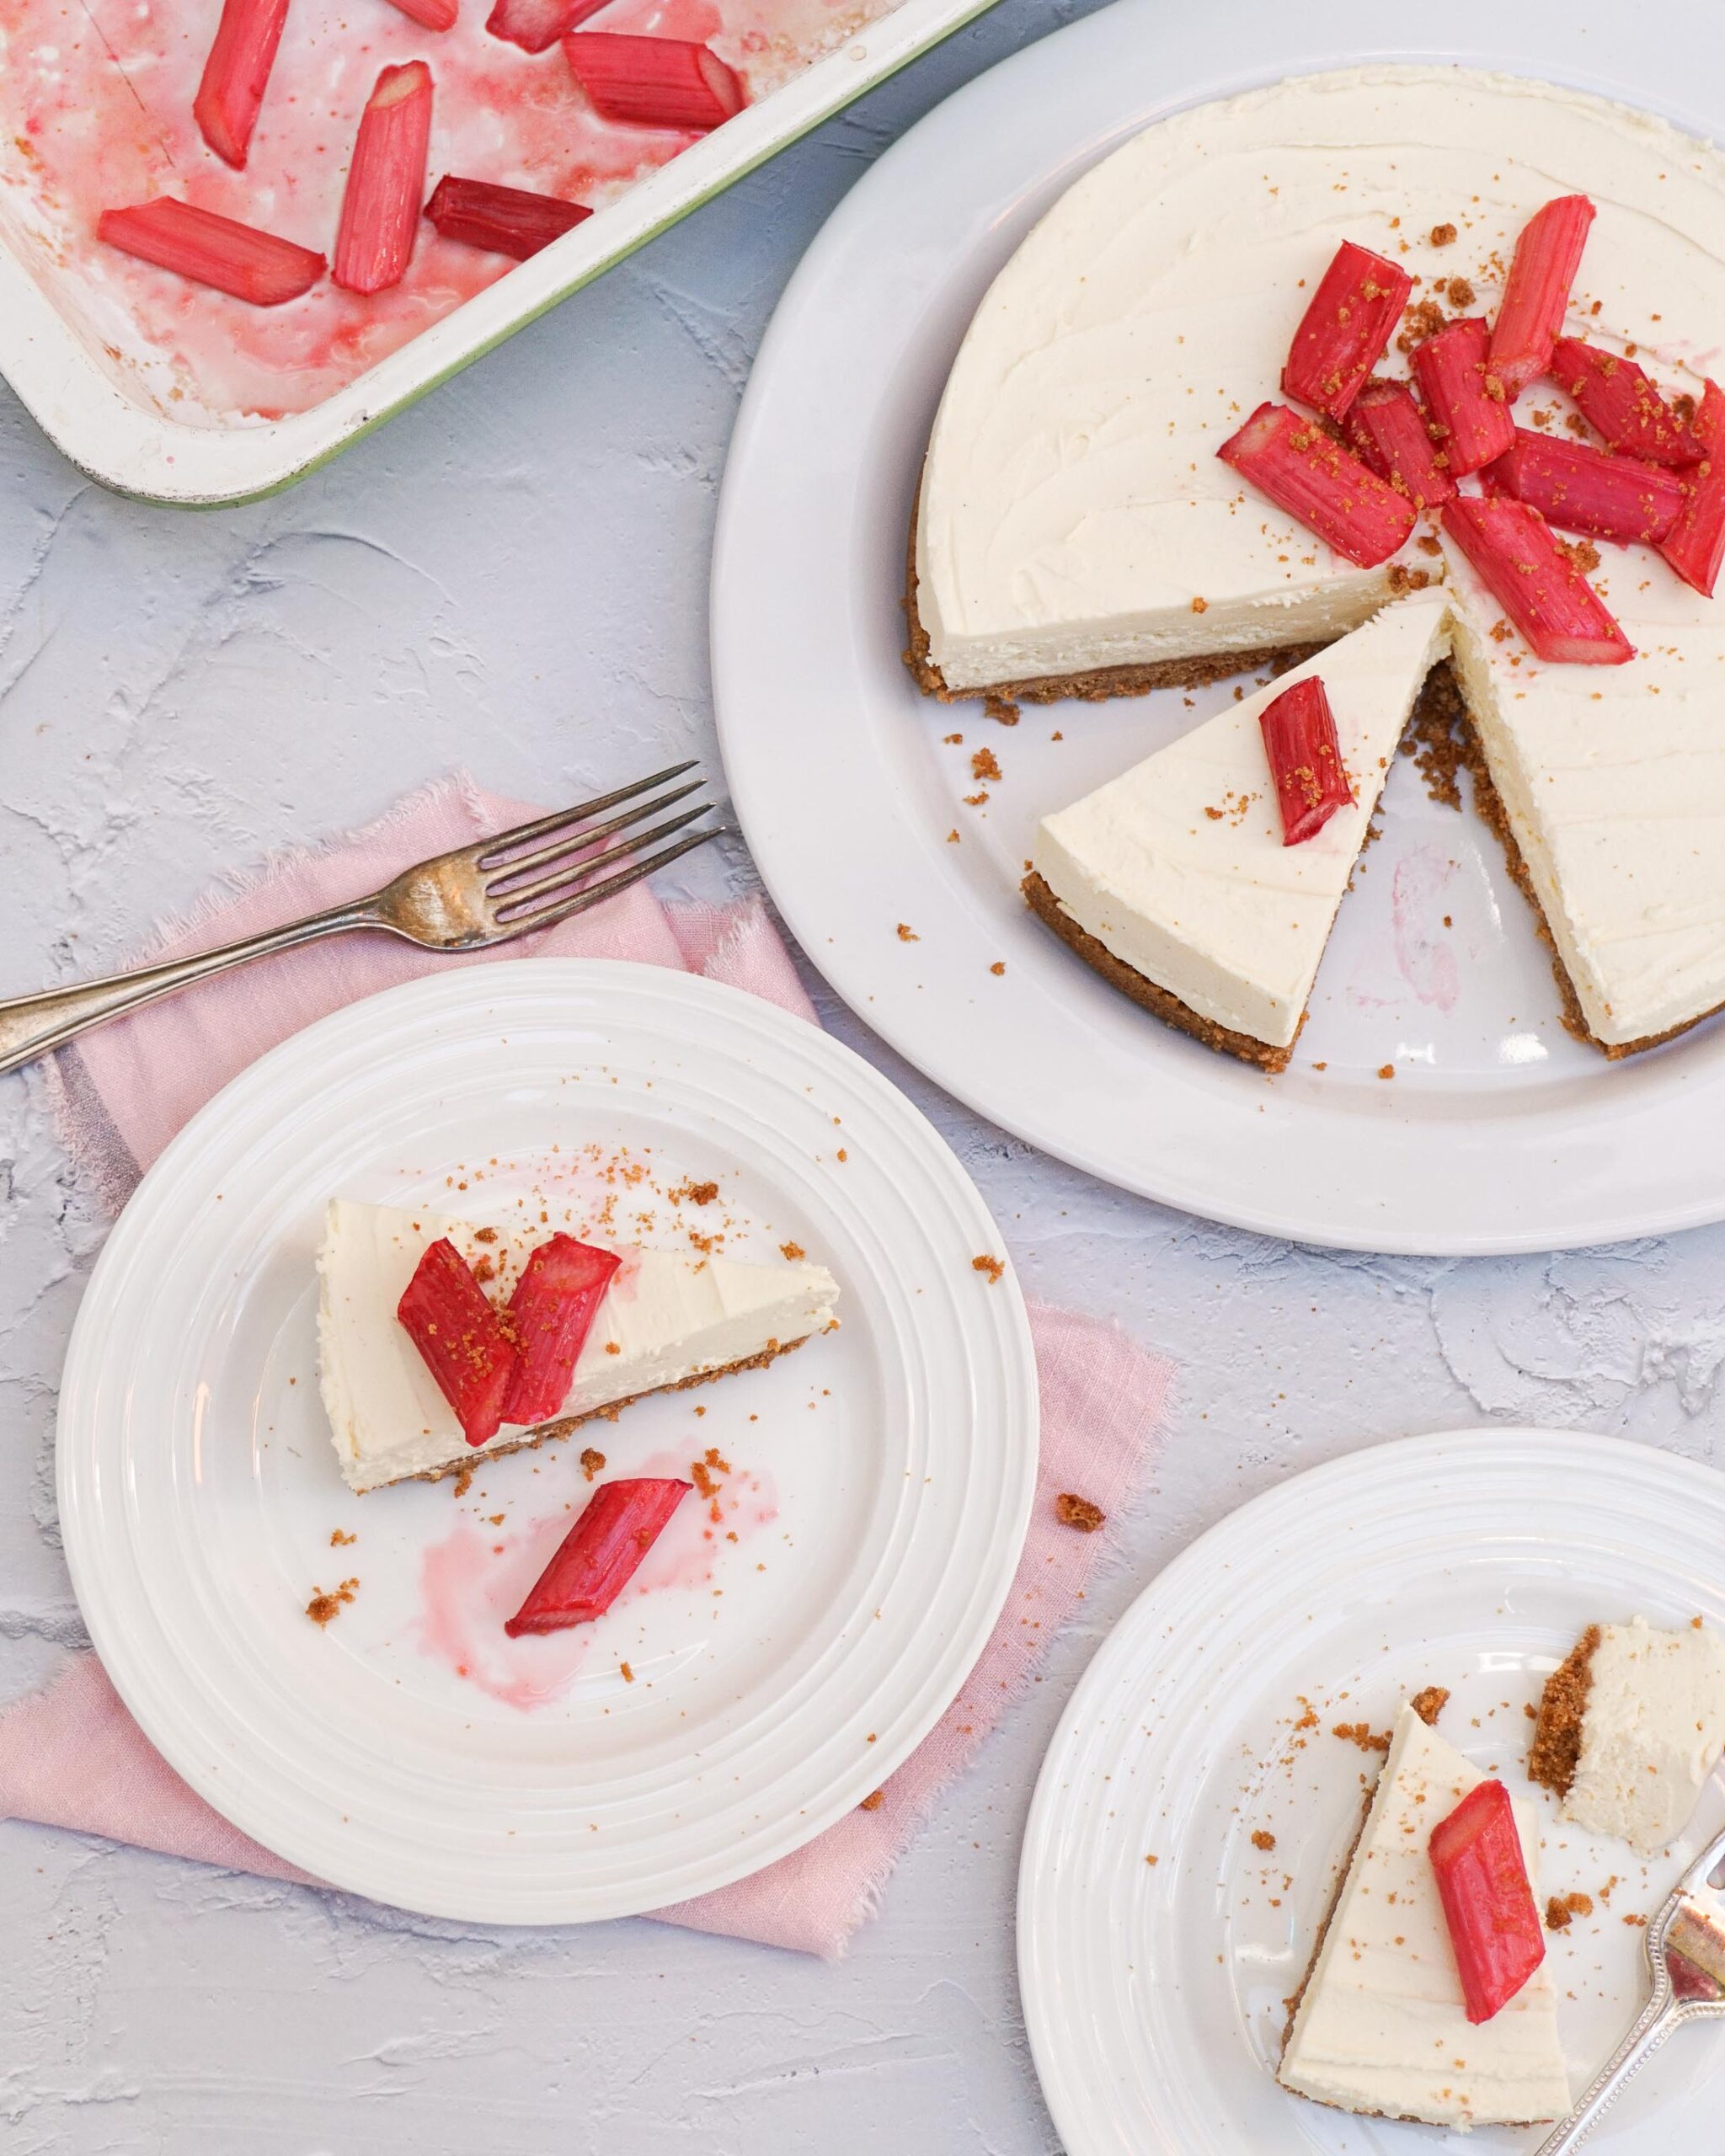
[514, 576]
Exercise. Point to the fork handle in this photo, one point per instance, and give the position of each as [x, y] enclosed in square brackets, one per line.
[32, 1025]
[1659, 2018]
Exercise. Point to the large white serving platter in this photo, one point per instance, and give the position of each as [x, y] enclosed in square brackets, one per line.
[1155, 1993]
[1498, 1132]
[881, 1477]
[93, 412]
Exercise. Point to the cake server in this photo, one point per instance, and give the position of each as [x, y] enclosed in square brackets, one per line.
[477, 896]
[1686, 1954]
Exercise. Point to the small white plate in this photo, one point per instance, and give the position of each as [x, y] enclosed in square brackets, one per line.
[1155, 1993]
[1499, 1132]
[879, 1479]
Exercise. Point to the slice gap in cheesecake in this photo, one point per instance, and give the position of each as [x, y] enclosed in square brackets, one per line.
[1379, 2025]
[1630, 1724]
[1173, 881]
[665, 1321]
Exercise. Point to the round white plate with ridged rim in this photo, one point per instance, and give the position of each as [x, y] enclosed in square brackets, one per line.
[1158, 1945]
[781, 1659]
[1500, 1133]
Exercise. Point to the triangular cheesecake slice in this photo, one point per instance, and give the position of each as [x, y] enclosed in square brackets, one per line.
[665, 1321]
[1380, 2026]
[1173, 880]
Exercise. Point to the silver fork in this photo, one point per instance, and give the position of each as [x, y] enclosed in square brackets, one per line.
[468, 901]
[1689, 1985]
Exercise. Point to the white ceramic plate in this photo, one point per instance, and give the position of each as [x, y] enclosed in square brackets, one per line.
[879, 1500]
[1500, 1132]
[1155, 1993]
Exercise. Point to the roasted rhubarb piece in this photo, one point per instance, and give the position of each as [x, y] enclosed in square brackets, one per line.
[1536, 291]
[1323, 485]
[1696, 541]
[537, 25]
[386, 182]
[507, 220]
[1342, 333]
[1469, 408]
[1615, 396]
[1516, 556]
[599, 1555]
[212, 250]
[550, 1315]
[430, 15]
[236, 75]
[1387, 427]
[1488, 1902]
[1305, 759]
[463, 1339]
[1582, 489]
[653, 81]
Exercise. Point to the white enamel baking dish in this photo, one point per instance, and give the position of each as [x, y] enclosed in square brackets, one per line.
[111, 430]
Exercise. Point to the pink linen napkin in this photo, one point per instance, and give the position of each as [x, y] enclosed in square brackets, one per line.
[71, 1756]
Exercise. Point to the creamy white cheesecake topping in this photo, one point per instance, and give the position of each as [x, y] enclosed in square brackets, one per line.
[1381, 2026]
[1074, 513]
[1652, 1730]
[1179, 866]
[664, 1319]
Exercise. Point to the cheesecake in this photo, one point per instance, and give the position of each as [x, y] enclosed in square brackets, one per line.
[666, 1320]
[1076, 532]
[1173, 880]
[1631, 1725]
[1380, 2026]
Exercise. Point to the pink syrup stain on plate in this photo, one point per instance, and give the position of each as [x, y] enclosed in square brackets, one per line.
[1425, 951]
[473, 1581]
[96, 113]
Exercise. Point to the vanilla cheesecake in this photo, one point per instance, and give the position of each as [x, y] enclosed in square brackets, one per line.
[1076, 532]
[666, 1320]
[1173, 880]
[1631, 1725]
[1381, 2026]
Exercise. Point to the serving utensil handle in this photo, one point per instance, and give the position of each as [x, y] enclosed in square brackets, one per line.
[1659, 2018]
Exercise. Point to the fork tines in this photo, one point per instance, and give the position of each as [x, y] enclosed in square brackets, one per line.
[539, 868]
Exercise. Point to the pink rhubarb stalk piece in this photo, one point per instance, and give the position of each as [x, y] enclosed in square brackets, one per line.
[1516, 557]
[1488, 1902]
[1536, 291]
[1616, 397]
[1322, 485]
[1697, 542]
[236, 75]
[506, 220]
[1386, 428]
[550, 1315]
[537, 25]
[1342, 333]
[1582, 489]
[599, 1555]
[430, 15]
[213, 250]
[653, 81]
[1305, 759]
[1468, 406]
[450, 1321]
[386, 182]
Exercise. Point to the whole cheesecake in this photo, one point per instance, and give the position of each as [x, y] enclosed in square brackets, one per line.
[1077, 534]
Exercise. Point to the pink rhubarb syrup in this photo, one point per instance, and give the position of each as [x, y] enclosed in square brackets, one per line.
[96, 113]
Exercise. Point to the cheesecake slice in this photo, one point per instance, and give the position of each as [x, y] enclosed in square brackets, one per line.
[665, 1321]
[1630, 1724]
[1173, 880]
[1380, 2026]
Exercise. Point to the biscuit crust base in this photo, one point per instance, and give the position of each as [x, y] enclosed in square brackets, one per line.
[482, 1454]
[1556, 1751]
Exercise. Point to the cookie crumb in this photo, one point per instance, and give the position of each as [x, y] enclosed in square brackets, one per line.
[998, 967]
[993, 1267]
[1443, 235]
[591, 1462]
[338, 1540]
[985, 764]
[1364, 1734]
[628, 1674]
[792, 1252]
[874, 1800]
[1078, 1511]
[1386, 1070]
[1261, 1839]
[322, 1607]
[1002, 709]
[1429, 1703]
[907, 934]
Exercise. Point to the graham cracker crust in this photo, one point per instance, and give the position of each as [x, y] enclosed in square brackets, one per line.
[1101, 682]
[482, 1454]
[1556, 1750]
[1144, 991]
